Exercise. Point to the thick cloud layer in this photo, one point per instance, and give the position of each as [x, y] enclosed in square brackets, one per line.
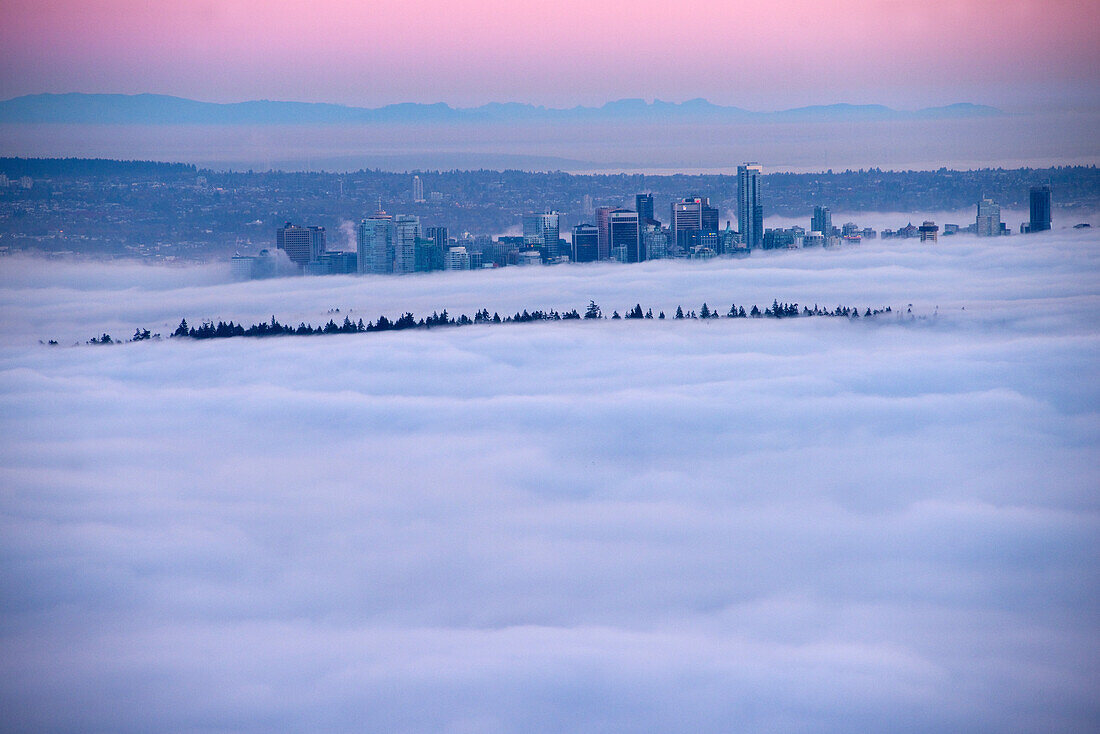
[758, 525]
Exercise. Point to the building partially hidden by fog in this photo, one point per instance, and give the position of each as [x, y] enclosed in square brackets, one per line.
[929, 231]
[822, 221]
[1039, 200]
[586, 243]
[254, 267]
[603, 216]
[542, 232]
[750, 211]
[624, 236]
[406, 233]
[301, 244]
[374, 242]
[691, 218]
[988, 222]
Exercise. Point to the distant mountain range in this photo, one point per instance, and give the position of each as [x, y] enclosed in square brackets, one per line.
[159, 109]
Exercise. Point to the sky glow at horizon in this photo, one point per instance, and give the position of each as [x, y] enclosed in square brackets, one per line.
[1018, 55]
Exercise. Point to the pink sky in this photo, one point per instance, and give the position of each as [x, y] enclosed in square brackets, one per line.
[1017, 54]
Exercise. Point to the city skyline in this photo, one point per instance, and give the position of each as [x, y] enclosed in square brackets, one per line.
[875, 52]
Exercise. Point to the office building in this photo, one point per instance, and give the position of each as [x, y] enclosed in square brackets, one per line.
[655, 242]
[241, 266]
[406, 231]
[624, 236]
[418, 189]
[374, 244]
[334, 263]
[750, 211]
[541, 231]
[438, 235]
[586, 206]
[586, 243]
[643, 204]
[989, 219]
[928, 231]
[1040, 209]
[779, 238]
[822, 221]
[456, 259]
[429, 255]
[301, 244]
[729, 241]
[603, 216]
[691, 217]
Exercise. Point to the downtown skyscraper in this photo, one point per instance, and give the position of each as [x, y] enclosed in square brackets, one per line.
[301, 244]
[750, 212]
[625, 237]
[543, 232]
[1040, 208]
[822, 221]
[374, 244]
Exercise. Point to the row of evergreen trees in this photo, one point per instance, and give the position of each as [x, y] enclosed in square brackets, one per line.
[227, 329]
[776, 311]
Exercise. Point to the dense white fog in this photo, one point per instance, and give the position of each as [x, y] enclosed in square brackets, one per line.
[735, 525]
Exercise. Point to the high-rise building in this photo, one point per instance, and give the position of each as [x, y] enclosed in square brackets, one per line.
[728, 240]
[457, 259]
[438, 235]
[709, 217]
[603, 216]
[241, 266]
[429, 255]
[1040, 209]
[822, 221]
[586, 205]
[654, 241]
[586, 243]
[686, 219]
[928, 231]
[643, 204]
[623, 232]
[418, 189]
[406, 231]
[691, 217]
[301, 244]
[375, 244]
[750, 211]
[989, 219]
[542, 231]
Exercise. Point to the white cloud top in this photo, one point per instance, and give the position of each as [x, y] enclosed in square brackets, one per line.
[736, 525]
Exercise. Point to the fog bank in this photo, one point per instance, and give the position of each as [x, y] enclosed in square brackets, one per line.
[751, 525]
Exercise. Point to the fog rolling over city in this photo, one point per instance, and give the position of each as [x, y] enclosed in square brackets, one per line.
[806, 524]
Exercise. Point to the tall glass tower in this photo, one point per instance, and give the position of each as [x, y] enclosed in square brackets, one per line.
[822, 221]
[750, 212]
[375, 244]
[1040, 209]
[643, 204]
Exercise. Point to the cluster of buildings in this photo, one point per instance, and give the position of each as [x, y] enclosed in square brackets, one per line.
[23, 182]
[822, 233]
[987, 222]
[395, 244]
